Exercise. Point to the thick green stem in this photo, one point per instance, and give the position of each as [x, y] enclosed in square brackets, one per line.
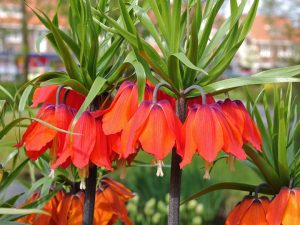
[175, 179]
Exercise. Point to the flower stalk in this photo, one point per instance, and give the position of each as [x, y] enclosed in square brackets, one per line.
[175, 179]
[89, 199]
[91, 182]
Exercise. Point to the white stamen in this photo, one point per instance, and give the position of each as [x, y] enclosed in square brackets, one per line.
[206, 174]
[159, 171]
[82, 184]
[52, 174]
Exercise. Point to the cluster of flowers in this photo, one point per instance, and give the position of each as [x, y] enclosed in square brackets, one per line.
[67, 208]
[119, 131]
[282, 210]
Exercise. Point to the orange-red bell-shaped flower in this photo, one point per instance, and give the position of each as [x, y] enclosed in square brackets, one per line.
[65, 208]
[285, 207]
[47, 95]
[237, 113]
[122, 108]
[155, 127]
[207, 131]
[250, 211]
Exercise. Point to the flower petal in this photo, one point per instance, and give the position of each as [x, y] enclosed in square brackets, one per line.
[291, 214]
[278, 206]
[207, 133]
[39, 135]
[255, 215]
[101, 154]
[189, 142]
[133, 129]
[122, 108]
[233, 141]
[156, 137]
[82, 145]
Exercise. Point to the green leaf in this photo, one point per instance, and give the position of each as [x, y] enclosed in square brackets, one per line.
[4, 91]
[76, 86]
[11, 201]
[24, 98]
[266, 169]
[12, 176]
[97, 88]
[282, 146]
[208, 27]
[230, 186]
[13, 211]
[182, 57]
[71, 66]
[161, 22]
[249, 20]
[147, 23]
[281, 75]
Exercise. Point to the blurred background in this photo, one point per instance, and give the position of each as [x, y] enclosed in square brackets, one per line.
[274, 41]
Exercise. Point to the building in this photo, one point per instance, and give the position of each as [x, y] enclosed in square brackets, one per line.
[41, 57]
[272, 42]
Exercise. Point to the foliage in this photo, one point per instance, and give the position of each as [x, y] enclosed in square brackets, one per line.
[102, 48]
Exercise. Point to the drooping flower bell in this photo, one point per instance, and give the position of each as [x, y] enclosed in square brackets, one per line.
[48, 95]
[41, 135]
[85, 143]
[122, 108]
[155, 127]
[207, 131]
[237, 113]
[285, 207]
[250, 211]
[79, 146]
[111, 198]
[117, 115]
[67, 208]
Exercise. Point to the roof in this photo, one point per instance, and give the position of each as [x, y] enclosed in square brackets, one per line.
[274, 28]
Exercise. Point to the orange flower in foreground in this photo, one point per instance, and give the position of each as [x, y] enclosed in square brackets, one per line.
[208, 131]
[250, 211]
[155, 127]
[237, 113]
[110, 203]
[47, 94]
[285, 208]
[65, 208]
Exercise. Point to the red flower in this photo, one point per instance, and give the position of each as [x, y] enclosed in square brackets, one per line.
[110, 203]
[198, 100]
[155, 126]
[66, 208]
[285, 208]
[237, 113]
[79, 146]
[122, 108]
[249, 212]
[208, 131]
[102, 154]
[38, 137]
[47, 94]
